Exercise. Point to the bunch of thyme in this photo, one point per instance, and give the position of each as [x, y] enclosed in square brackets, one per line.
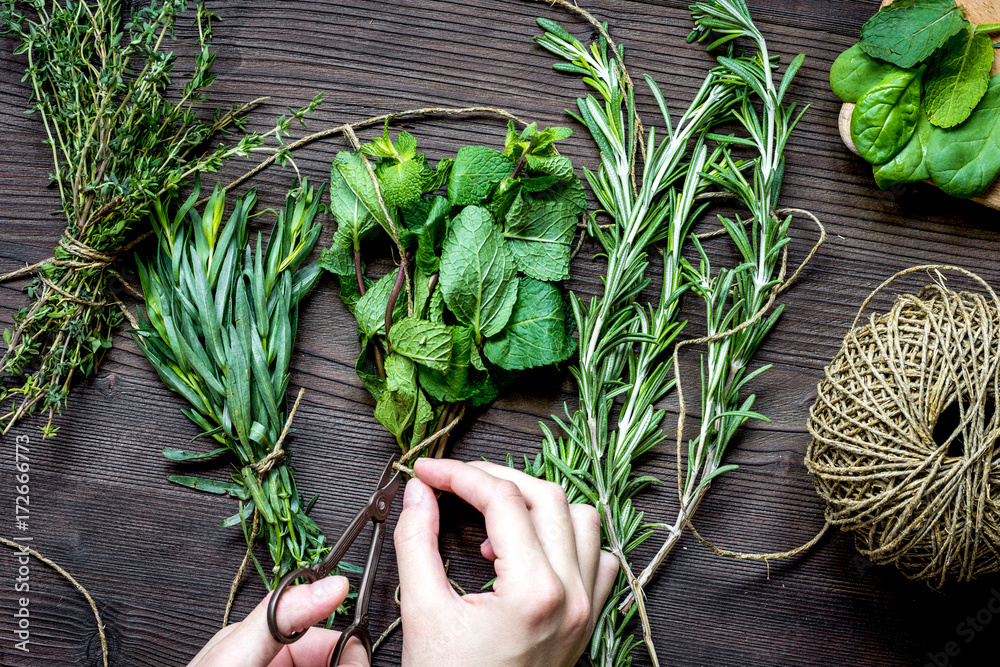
[123, 133]
[219, 328]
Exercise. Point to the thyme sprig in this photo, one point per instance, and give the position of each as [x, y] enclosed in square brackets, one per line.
[124, 131]
[219, 328]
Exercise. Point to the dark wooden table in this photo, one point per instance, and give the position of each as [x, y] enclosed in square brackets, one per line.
[152, 553]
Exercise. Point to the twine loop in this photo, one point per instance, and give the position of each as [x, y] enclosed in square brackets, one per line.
[932, 509]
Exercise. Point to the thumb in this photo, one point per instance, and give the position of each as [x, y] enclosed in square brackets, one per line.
[422, 578]
[250, 644]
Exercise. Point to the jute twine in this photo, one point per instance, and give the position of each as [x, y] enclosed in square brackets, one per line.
[908, 501]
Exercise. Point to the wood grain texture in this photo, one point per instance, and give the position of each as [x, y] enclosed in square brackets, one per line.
[152, 553]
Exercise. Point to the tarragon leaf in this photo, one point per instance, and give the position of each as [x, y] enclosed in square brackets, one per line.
[908, 31]
[958, 78]
[427, 343]
[909, 164]
[475, 172]
[886, 116]
[540, 235]
[854, 73]
[478, 273]
[354, 222]
[536, 333]
[965, 160]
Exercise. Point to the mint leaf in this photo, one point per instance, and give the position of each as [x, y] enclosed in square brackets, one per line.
[475, 172]
[965, 160]
[338, 261]
[396, 406]
[886, 116]
[428, 220]
[908, 31]
[402, 183]
[440, 176]
[368, 372]
[540, 236]
[570, 192]
[478, 273]
[854, 73]
[908, 165]
[370, 309]
[352, 168]
[422, 419]
[426, 343]
[354, 222]
[958, 78]
[450, 385]
[536, 333]
[558, 166]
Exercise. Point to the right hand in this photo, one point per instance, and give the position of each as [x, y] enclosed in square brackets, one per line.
[552, 576]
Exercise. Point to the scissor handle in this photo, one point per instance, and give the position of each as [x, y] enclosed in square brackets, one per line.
[272, 605]
[356, 629]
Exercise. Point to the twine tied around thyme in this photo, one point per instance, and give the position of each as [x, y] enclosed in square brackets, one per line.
[932, 511]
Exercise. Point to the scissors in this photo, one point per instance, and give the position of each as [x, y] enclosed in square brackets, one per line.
[376, 511]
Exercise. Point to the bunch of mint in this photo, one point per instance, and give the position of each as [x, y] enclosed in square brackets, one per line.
[480, 266]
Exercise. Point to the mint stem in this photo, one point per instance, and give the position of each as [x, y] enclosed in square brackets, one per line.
[357, 272]
[393, 296]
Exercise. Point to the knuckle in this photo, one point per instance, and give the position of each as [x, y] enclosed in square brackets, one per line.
[556, 494]
[549, 598]
[508, 491]
[587, 515]
[578, 609]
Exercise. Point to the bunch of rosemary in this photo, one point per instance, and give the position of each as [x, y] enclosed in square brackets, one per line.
[123, 133]
[219, 328]
[625, 367]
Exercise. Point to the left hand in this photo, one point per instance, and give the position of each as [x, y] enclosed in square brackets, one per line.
[249, 642]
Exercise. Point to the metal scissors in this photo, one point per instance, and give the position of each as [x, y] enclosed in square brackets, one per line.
[376, 511]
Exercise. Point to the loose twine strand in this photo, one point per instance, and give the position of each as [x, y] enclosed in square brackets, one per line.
[76, 584]
[873, 453]
[261, 467]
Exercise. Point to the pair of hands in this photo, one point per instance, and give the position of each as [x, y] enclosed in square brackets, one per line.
[552, 581]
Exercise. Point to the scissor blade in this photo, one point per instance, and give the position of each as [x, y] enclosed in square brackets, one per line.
[389, 472]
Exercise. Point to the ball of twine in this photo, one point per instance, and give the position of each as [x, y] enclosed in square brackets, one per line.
[930, 508]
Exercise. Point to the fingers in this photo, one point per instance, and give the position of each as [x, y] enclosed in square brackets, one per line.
[316, 647]
[250, 643]
[422, 578]
[550, 515]
[512, 535]
[607, 572]
[587, 530]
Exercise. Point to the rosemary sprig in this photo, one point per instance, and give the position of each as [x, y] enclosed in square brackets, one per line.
[623, 344]
[737, 300]
[220, 324]
[124, 131]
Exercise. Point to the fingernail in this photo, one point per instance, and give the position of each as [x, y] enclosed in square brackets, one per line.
[413, 494]
[328, 586]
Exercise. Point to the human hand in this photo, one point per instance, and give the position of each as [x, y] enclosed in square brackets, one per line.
[249, 642]
[552, 576]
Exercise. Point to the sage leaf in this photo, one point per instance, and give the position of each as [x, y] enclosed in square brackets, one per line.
[478, 273]
[536, 333]
[908, 31]
[427, 343]
[958, 78]
[909, 164]
[540, 236]
[854, 73]
[475, 172]
[886, 116]
[965, 160]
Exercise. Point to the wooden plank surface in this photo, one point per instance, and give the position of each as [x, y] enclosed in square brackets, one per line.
[152, 553]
